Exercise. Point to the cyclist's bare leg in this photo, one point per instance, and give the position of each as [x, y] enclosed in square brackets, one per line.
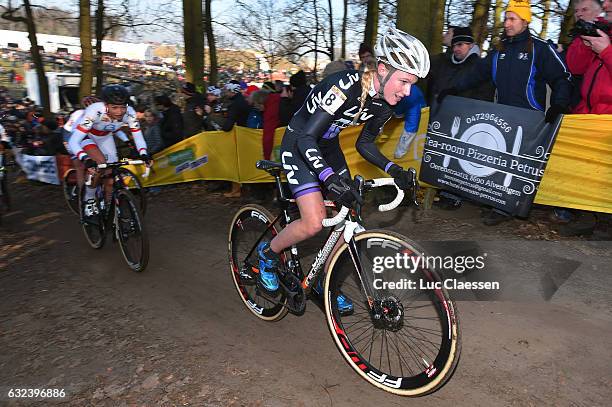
[312, 213]
[80, 171]
[96, 155]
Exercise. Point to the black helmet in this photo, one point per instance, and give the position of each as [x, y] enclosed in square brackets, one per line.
[115, 95]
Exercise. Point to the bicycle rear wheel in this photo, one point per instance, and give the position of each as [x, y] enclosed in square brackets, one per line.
[249, 224]
[133, 184]
[405, 340]
[131, 233]
[71, 190]
[94, 232]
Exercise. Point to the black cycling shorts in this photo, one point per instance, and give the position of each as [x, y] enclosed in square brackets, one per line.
[301, 179]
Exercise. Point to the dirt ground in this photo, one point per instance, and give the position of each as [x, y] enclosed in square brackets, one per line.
[77, 319]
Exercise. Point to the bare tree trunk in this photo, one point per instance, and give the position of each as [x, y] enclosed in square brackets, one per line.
[212, 48]
[43, 83]
[99, 38]
[371, 28]
[480, 17]
[497, 23]
[86, 50]
[415, 18]
[193, 34]
[545, 18]
[344, 17]
[332, 51]
[316, 43]
[437, 26]
[567, 23]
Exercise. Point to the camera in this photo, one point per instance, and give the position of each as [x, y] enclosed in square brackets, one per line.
[589, 28]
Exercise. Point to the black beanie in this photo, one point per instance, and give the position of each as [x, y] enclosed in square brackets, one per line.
[462, 34]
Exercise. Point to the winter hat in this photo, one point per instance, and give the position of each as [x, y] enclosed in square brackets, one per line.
[213, 90]
[188, 89]
[462, 34]
[298, 79]
[521, 7]
[232, 87]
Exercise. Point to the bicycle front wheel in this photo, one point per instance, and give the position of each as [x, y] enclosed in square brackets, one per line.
[130, 181]
[131, 233]
[71, 190]
[404, 340]
[251, 223]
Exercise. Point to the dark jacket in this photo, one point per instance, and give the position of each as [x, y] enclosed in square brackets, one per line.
[171, 125]
[192, 122]
[237, 112]
[446, 72]
[299, 97]
[520, 70]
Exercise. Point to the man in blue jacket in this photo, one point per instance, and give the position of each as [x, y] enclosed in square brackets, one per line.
[520, 68]
[410, 107]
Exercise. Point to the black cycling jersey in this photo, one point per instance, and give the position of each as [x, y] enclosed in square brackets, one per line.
[330, 107]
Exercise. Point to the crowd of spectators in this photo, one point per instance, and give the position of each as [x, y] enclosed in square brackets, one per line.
[579, 79]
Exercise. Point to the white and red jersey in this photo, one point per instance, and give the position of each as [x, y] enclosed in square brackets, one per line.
[96, 122]
[73, 119]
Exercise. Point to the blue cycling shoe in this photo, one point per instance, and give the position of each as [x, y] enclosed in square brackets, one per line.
[268, 261]
[345, 305]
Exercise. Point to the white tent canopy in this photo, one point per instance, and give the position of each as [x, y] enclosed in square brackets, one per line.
[50, 43]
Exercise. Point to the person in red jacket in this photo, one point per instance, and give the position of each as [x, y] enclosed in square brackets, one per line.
[271, 119]
[591, 57]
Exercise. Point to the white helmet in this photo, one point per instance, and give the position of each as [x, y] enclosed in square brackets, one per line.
[403, 52]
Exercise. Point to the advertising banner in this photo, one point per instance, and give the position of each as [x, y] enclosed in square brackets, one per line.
[488, 152]
[40, 168]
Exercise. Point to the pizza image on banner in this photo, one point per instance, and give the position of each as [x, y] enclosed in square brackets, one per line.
[487, 152]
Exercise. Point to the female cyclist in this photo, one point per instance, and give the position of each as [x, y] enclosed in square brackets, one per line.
[310, 149]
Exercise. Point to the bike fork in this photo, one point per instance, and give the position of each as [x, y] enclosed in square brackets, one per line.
[364, 278]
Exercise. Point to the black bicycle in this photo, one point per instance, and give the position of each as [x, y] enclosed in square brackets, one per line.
[128, 179]
[121, 217]
[401, 335]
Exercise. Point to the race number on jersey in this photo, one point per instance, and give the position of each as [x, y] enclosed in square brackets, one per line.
[332, 100]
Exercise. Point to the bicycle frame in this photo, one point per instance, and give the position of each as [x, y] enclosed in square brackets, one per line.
[346, 229]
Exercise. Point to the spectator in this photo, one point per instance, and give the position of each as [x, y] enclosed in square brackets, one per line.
[520, 69]
[365, 56]
[333, 67]
[171, 123]
[238, 109]
[591, 57]
[300, 91]
[257, 100]
[151, 132]
[271, 117]
[213, 110]
[410, 107]
[451, 66]
[192, 121]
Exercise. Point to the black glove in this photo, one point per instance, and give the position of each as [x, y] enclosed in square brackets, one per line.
[445, 92]
[89, 163]
[553, 112]
[341, 191]
[146, 158]
[403, 179]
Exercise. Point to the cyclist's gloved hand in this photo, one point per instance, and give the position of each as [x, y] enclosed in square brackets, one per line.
[403, 179]
[146, 158]
[445, 92]
[89, 163]
[341, 190]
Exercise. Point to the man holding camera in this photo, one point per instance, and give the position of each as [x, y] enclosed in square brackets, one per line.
[591, 56]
